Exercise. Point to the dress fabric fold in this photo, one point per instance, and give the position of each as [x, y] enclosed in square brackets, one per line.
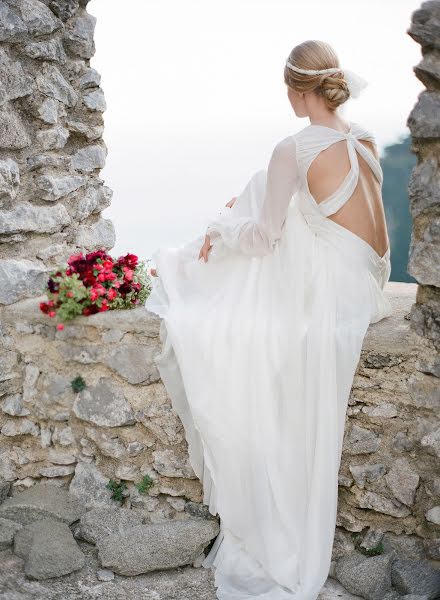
[259, 348]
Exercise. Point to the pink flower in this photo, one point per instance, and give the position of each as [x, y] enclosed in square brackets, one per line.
[60, 326]
[52, 313]
[111, 294]
[128, 274]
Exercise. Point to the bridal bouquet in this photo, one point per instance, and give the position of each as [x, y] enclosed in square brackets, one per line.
[95, 283]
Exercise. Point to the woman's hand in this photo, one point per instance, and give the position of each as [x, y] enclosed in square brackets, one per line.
[231, 202]
[205, 248]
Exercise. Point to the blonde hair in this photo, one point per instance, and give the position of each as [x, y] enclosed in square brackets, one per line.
[317, 55]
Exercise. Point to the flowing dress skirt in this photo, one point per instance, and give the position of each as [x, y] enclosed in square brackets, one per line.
[258, 358]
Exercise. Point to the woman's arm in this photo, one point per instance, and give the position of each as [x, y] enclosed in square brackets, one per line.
[258, 236]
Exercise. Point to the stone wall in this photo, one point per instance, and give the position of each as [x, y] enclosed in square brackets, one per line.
[51, 146]
[121, 426]
[424, 194]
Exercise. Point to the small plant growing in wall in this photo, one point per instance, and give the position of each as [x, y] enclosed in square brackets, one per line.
[375, 550]
[117, 489]
[78, 384]
[145, 484]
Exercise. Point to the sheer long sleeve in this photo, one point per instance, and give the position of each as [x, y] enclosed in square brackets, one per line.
[257, 235]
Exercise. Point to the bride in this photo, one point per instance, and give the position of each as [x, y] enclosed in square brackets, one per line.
[263, 320]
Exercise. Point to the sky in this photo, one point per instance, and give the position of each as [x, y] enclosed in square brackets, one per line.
[196, 99]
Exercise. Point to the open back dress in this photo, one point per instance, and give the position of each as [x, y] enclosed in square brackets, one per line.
[259, 349]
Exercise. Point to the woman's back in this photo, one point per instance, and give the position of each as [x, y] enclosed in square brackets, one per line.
[362, 213]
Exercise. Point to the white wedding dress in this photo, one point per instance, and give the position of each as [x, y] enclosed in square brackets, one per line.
[259, 348]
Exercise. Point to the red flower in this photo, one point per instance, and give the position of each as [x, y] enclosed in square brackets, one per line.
[52, 313]
[44, 307]
[111, 294]
[129, 260]
[69, 294]
[60, 326]
[102, 277]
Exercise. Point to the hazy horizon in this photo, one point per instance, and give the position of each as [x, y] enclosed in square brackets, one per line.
[196, 99]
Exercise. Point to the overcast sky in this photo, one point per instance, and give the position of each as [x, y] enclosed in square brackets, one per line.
[196, 99]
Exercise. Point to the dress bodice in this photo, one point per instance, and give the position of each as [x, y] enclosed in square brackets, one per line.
[313, 139]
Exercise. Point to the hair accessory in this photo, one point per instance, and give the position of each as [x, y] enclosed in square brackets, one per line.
[355, 82]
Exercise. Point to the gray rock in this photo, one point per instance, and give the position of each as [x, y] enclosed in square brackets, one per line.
[407, 546]
[402, 442]
[13, 133]
[98, 523]
[360, 441]
[89, 158]
[135, 363]
[424, 253]
[53, 138]
[424, 390]
[387, 409]
[51, 50]
[367, 473]
[424, 186]
[403, 481]
[49, 111]
[38, 18]
[169, 544]
[109, 446]
[64, 9]
[88, 486]
[422, 120]
[60, 458]
[18, 427]
[94, 200]
[57, 471]
[100, 234]
[5, 487]
[51, 83]
[169, 463]
[424, 27]
[103, 404]
[13, 405]
[41, 501]
[368, 577]
[91, 132]
[20, 279]
[79, 35]
[29, 217]
[90, 79]
[52, 188]
[14, 83]
[374, 501]
[8, 529]
[432, 548]
[39, 161]
[12, 27]
[416, 577]
[48, 549]
[105, 575]
[63, 436]
[9, 178]
[433, 515]
[95, 101]
[431, 441]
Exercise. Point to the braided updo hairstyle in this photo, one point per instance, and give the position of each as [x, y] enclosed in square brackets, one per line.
[317, 55]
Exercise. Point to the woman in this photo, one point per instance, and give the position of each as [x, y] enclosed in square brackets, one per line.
[262, 331]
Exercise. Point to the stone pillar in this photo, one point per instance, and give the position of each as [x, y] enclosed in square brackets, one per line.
[51, 146]
[424, 194]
